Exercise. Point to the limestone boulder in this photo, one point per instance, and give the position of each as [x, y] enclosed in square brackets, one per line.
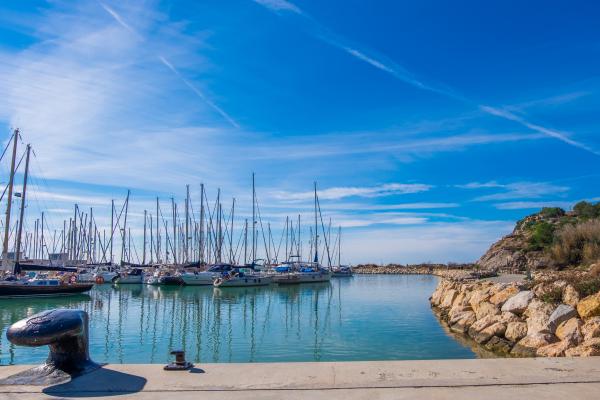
[570, 330]
[498, 345]
[589, 307]
[496, 329]
[570, 296]
[462, 322]
[589, 347]
[456, 311]
[518, 303]
[448, 298]
[591, 328]
[553, 350]
[500, 298]
[486, 309]
[562, 313]
[515, 331]
[538, 316]
[481, 324]
[528, 346]
[479, 296]
[508, 317]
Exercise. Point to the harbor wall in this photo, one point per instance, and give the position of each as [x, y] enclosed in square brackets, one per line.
[545, 319]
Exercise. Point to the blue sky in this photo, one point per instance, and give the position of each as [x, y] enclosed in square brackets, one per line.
[429, 126]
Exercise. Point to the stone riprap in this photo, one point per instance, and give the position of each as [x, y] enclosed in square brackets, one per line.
[510, 319]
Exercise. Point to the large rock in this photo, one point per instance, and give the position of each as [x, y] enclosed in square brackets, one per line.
[486, 309]
[516, 331]
[462, 322]
[570, 330]
[479, 296]
[553, 350]
[570, 296]
[518, 303]
[498, 345]
[588, 348]
[496, 329]
[591, 328]
[448, 298]
[527, 347]
[500, 298]
[481, 324]
[561, 314]
[589, 307]
[538, 315]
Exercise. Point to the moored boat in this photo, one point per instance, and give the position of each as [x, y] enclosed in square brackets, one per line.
[132, 276]
[42, 286]
[240, 277]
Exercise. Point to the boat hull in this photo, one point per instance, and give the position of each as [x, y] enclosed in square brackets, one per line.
[301, 277]
[243, 281]
[20, 290]
[130, 280]
[198, 280]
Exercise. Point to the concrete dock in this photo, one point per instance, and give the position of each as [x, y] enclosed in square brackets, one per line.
[558, 378]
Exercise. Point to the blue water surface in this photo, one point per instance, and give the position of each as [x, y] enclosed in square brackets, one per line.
[367, 317]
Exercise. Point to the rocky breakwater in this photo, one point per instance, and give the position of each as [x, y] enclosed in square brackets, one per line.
[544, 320]
[456, 271]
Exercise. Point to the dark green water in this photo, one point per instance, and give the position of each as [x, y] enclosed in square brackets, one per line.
[367, 317]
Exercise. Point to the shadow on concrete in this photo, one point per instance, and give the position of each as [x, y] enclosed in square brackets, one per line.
[102, 382]
[195, 370]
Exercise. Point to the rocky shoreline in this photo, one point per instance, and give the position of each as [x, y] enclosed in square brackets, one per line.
[521, 319]
[456, 271]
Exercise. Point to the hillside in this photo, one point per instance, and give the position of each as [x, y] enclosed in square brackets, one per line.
[552, 238]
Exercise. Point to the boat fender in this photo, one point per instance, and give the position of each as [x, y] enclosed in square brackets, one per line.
[99, 280]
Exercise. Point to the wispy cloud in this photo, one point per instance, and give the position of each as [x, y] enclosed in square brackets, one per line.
[408, 77]
[336, 193]
[525, 205]
[279, 5]
[171, 67]
[517, 190]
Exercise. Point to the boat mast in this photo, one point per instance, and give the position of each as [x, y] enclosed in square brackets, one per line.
[144, 255]
[246, 241]
[340, 246]
[112, 229]
[174, 244]
[253, 220]
[316, 229]
[201, 250]
[231, 232]
[22, 212]
[187, 219]
[124, 236]
[157, 234]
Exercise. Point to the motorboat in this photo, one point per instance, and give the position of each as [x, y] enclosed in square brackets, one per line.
[205, 277]
[42, 286]
[300, 272]
[240, 277]
[342, 271]
[105, 274]
[131, 276]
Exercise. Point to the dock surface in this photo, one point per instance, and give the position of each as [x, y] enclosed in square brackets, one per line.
[542, 378]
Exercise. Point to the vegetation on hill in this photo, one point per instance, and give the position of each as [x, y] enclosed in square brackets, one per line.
[550, 238]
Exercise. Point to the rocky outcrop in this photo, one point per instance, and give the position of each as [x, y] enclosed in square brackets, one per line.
[508, 319]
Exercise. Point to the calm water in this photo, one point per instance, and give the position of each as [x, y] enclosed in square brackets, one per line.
[360, 318]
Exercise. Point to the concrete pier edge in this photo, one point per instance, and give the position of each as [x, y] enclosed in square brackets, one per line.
[495, 378]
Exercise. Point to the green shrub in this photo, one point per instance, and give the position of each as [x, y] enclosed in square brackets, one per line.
[552, 212]
[553, 297]
[587, 287]
[586, 210]
[542, 235]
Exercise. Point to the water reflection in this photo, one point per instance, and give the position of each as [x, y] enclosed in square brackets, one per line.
[320, 321]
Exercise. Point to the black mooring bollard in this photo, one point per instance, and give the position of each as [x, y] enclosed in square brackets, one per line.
[65, 332]
[180, 364]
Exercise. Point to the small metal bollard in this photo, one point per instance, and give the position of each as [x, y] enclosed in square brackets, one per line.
[180, 364]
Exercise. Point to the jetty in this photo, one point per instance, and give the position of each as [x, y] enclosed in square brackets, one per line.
[543, 378]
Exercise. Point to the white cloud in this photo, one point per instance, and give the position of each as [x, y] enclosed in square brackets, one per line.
[279, 5]
[523, 205]
[434, 242]
[336, 193]
[516, 190]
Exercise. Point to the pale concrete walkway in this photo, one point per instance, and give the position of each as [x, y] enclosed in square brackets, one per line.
[562, 378]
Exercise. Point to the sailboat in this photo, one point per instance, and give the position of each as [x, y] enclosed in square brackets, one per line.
[341, 271]
[39, 285]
